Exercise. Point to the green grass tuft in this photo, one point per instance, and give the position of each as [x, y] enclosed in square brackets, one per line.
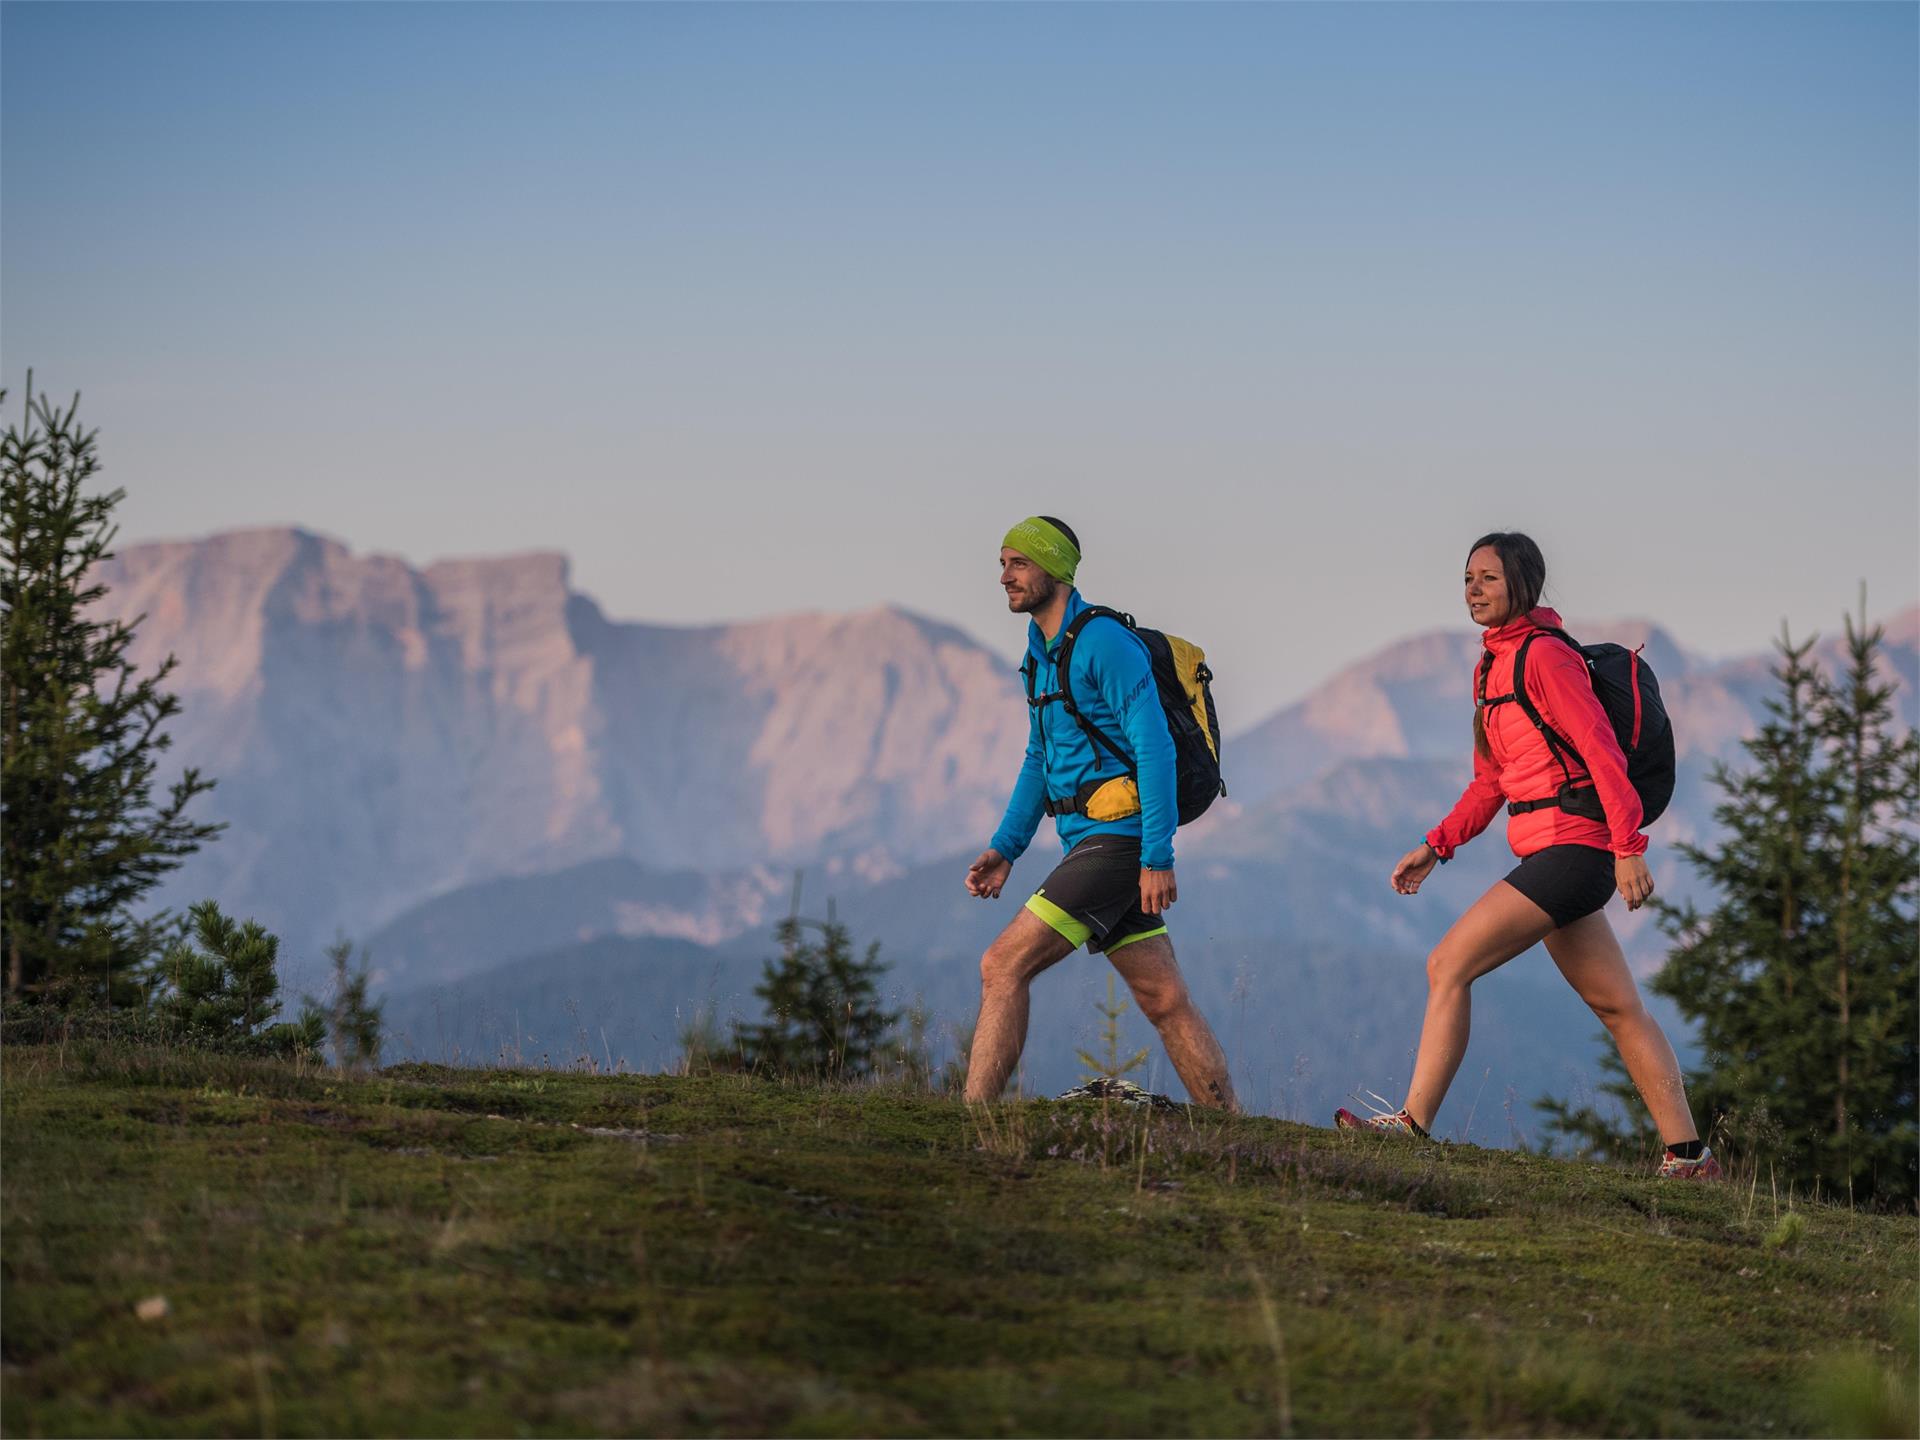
[1788, 1232]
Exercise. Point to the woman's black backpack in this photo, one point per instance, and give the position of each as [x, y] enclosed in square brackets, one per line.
[1629, 693]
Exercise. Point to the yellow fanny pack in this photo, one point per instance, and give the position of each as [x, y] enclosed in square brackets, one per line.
[1105, 797]
[1110, 799]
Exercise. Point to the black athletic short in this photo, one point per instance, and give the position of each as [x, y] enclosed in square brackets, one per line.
[1093, 895]
[1569, 882]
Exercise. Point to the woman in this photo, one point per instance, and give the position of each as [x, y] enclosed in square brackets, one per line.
[1570, 864]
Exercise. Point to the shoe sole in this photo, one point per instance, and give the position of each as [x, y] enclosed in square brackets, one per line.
[1703, 1174]
[1345, 1119]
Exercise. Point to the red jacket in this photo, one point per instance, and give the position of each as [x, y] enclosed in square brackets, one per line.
[1521, 767]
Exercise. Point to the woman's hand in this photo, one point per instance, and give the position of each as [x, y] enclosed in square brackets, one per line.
[1630, 873]
[1414, 867]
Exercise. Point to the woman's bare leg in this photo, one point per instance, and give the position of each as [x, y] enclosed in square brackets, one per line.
[1501, 924]
[1590, 957]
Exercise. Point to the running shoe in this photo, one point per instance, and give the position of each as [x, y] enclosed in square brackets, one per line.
[1381, 1121]
[1705, 1167]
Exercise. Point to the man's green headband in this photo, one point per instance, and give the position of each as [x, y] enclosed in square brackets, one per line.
[1045, 545]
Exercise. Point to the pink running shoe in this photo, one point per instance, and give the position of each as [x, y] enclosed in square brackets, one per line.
[1705, 1167]
[1399, 1123]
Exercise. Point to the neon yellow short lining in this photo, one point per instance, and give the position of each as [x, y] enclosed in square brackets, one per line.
[1074, 931]
[1077, 932]
[1137, 935]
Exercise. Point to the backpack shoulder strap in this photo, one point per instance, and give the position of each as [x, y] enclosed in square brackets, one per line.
[1079, 622]
[1557, 744]
[1063, 665]
[1482, 673]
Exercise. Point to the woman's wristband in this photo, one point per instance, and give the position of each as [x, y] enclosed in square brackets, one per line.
[1436, 854]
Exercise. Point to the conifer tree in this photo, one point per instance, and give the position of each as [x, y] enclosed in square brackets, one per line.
[82, 837]
[823, 1012]
[1869, 978]
[223, 989]
[1801, 978]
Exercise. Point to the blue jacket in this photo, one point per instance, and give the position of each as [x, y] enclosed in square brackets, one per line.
[1113, 686]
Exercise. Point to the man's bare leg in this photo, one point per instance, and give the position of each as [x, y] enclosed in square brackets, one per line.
[1153, 975]
[1025, 948]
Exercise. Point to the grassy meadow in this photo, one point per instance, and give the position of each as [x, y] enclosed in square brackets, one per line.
[202, 1245]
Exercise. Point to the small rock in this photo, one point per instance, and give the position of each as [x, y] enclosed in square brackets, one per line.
[154, 1307]
[1125, 1091]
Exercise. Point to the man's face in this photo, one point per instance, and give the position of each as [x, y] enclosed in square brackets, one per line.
[1028, 587]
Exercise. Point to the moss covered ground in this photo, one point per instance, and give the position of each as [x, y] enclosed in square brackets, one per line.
[434, 1251]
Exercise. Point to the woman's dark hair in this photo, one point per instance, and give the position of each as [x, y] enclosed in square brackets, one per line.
[1064, 528]
[1524, 565]
[1526, 571]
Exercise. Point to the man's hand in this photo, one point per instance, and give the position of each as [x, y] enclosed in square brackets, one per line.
[1158, 890]
[987, 875]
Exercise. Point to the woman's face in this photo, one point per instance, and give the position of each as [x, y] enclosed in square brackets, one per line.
[1487, 600]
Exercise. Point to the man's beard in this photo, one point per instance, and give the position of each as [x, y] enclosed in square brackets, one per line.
[1034, 599]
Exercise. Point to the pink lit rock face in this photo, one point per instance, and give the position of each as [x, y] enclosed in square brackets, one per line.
[381, 735]
[1410, 701]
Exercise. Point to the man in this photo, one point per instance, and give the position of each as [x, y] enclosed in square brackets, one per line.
[1116, 882]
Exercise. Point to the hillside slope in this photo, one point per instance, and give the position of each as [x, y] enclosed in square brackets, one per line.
[494, 1252]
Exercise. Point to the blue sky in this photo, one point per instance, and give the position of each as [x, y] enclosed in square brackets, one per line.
[763, 308]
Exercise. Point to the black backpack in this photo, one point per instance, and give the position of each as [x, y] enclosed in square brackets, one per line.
[1181, 675]
[1629, 693]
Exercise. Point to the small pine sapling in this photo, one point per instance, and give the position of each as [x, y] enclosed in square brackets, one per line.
[353, 1021]
[223, 989]
[823, 1018]
[1109, 1065]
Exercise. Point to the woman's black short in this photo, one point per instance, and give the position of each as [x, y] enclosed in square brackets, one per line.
[1569, 882]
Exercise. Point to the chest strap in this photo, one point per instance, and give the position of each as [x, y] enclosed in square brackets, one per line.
[1581, 800]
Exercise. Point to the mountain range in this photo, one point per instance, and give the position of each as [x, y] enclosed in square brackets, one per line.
[382, 735]
[532, 813]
